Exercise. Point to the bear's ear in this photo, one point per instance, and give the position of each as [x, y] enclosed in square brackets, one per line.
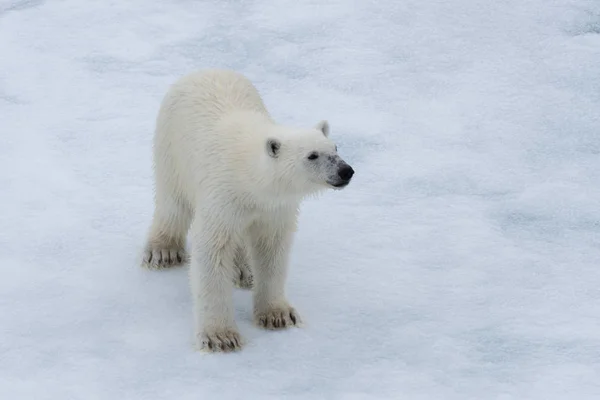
[323, 126]
[273, 146]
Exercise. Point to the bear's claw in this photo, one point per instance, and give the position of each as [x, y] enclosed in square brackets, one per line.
[278, 318]
[155, 258]
[221, 341]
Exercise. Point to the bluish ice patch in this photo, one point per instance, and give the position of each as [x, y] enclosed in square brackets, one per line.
[19, 5]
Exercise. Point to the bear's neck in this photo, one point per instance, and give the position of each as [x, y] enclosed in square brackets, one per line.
[248, 132]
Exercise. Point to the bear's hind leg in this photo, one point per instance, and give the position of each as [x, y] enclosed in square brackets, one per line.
[165, 247]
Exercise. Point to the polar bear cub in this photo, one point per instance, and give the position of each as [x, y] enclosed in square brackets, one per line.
[233, 177]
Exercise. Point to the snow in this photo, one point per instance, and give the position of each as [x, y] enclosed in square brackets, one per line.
[461, 263]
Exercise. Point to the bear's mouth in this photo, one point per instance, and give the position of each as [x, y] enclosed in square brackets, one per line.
[340, 184]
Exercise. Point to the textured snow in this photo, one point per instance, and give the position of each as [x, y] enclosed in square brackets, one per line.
[461, 263]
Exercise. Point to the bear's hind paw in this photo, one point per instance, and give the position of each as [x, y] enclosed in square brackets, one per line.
[243, 278]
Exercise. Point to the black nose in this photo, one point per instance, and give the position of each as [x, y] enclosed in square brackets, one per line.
[346, 172]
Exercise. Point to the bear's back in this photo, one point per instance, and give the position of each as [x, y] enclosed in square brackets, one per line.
[215, 93]
[209, 132]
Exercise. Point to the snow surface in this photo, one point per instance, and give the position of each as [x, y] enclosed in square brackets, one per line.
[462, 262]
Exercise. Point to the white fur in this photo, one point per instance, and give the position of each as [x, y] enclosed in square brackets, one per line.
[215, 171]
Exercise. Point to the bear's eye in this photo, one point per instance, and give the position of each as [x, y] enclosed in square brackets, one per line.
[313, 156]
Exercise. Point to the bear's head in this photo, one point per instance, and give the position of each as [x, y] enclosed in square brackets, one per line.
[305, 161]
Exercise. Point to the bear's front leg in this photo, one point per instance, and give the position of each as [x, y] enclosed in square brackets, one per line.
[212, 274]
[271, 247]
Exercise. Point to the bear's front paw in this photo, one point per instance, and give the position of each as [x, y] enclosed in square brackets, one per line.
[243, 277]
[220, 340]
[160, 258]
[278, 318]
